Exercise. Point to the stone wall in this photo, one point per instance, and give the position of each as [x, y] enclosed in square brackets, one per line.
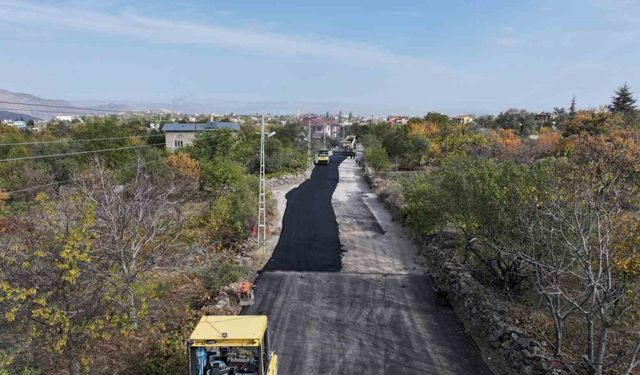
[289, 179]
[506, 348]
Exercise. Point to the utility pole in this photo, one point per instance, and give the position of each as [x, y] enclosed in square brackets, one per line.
[309, 142]
[324, 137]
[262, 194]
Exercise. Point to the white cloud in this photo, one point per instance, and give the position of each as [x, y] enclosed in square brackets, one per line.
[163, 30]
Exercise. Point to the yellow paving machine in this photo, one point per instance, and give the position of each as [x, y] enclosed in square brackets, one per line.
[231, 345]
[322, 157]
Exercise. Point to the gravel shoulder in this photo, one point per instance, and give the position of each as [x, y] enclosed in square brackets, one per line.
[371, 241]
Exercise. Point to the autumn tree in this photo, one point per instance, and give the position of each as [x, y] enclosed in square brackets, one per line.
[506, 143]
[185, 166]
[576, 235]
[437, 118]
[4, 197]
[136, 224]
[589, 122]
[547, 143]
[57, 284]
[462, 140]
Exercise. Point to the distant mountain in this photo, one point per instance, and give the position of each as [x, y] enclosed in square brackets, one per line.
[192, 105]
[114, 107]
[6, 115]
[29, 108]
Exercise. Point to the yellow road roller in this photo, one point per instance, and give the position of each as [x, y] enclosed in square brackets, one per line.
[231, 345]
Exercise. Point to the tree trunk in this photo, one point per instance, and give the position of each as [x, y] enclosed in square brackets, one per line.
[558, 324]
[131, 298]
[602, 347]
[590, 344]
[133, 311]
[553, 303]
[74, 362]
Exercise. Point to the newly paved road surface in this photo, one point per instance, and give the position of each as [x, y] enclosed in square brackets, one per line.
[332, 322]
[309, 238]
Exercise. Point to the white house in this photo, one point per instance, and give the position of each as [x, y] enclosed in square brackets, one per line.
[178, 135]
[17, 124]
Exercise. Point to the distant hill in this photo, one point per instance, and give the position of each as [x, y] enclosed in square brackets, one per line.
[38, 112]
[115, 107]
[6, 115]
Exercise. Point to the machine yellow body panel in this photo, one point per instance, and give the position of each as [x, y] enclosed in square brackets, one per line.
[273, 365]
[242, 342]
[244, 330]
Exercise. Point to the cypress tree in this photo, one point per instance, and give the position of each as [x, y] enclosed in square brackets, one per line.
[623, 101]
[572, 107]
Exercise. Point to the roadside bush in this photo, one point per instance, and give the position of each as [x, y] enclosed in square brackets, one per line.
[165, 356]
[376, 158]
[223, 271]
[221, 175]
[232, 213]
[390, 192]
[480, 198]
[285, 160]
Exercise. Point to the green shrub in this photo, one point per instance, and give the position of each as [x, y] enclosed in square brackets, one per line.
[223, 271]
[376, 158]
[168, 355]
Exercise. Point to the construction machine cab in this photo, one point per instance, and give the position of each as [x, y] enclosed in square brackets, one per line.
[322, 157]
[231, 345]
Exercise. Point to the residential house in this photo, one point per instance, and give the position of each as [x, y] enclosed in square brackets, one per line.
[66, 118]
[178, 135]
[321, 126]
[545, 116]
[18, 124]
[398, 120]
[462, 119]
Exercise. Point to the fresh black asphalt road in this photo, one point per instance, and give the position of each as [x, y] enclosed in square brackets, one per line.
[309, 240]
[323, 321]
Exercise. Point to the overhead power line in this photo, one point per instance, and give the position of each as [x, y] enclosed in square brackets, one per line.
[79, 152]
[21, 111]
[80, 178]
[80, 140]
[74, 179]
[63, 107]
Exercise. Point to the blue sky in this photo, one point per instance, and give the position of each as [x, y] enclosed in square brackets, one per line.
[372, 57]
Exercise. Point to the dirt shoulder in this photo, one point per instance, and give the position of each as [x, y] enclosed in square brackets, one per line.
[371, 241]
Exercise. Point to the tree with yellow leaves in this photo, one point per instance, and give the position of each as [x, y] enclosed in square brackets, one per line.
[548, 142]
[185, 166]
[56, 284]
[4, 197]
[505, 142]
[580, 240]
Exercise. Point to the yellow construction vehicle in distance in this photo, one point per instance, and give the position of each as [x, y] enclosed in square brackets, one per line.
[322, 157]
[231, 345]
